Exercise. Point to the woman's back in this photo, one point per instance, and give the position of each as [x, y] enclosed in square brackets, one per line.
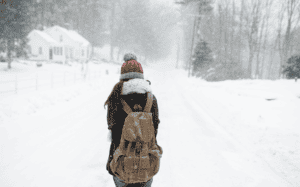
[136, 101]
[133, 89]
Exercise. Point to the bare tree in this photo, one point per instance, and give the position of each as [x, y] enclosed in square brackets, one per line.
[262, 38]
[268, 7]
[241, 30]
[253, 19]
[279, 42]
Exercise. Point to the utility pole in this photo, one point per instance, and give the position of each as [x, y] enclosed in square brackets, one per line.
[193, 36]
[179, 38]
[192, 47]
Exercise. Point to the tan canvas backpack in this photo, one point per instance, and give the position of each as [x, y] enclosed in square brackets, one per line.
[139, 161]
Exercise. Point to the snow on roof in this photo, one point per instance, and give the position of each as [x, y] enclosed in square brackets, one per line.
[45, 36]
[78, 37]
[73, 35]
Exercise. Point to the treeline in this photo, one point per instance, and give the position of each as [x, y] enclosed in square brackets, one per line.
[14, 17]
[86, 17]
[19, 17]
[247, 38]
[127, 25]
[143, 27]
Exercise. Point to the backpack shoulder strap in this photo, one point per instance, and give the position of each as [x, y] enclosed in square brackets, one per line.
[126, 107]
[149, 102]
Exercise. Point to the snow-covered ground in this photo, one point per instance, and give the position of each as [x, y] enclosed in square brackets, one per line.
[261, 116]
[231, 133]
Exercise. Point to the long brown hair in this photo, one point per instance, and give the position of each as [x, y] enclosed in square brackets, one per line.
[115, 93]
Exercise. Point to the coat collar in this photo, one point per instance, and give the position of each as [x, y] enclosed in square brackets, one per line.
[136, 86]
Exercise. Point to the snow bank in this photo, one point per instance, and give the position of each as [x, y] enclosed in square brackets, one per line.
[262, 115]
[27, 101]
[19, 105]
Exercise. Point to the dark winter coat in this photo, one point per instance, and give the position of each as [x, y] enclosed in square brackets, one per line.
[116, 117]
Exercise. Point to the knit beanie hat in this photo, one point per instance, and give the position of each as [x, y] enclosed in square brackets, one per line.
[131, 68]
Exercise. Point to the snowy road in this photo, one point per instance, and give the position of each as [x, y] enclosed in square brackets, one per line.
[199, 152]
[66, 145]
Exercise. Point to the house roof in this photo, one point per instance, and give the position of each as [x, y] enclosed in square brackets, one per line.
[78, 38]
[73, 35]
[45, 36]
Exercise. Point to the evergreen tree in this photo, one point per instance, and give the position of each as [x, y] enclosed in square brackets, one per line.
[194, 11]
[292, 70]
[202, 59]
[14, 19]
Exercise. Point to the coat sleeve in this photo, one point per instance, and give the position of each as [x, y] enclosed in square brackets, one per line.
[154, 111]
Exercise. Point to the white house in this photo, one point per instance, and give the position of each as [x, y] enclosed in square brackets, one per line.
[43, 47]
[76, 47]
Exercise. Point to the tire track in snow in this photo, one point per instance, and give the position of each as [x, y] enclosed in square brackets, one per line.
[217, 125]
[195, 162]
[279, 173]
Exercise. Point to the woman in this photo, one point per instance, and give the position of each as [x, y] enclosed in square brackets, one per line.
[133, 89]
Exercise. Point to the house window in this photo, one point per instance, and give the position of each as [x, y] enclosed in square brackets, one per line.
[82, 52]
[61, 51]
[40, 50]
[61, 38]
[29, 50]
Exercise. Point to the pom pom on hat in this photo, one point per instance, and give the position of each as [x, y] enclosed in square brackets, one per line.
[131, 68]
[129, 56]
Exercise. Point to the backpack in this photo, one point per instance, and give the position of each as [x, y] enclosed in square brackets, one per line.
[137, 158]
